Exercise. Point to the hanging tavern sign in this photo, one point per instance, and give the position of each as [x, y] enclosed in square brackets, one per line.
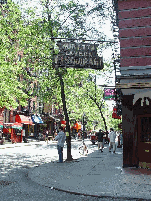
[78, 55]
[109, 94]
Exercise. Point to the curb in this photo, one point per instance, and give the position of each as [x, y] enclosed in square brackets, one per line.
[103, 195]
[91, 195]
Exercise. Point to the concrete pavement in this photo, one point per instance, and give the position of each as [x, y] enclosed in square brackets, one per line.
[98, 174]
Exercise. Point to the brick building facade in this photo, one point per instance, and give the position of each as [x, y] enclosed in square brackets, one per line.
[134, 22]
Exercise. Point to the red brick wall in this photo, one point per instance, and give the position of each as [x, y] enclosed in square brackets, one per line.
[135, 32]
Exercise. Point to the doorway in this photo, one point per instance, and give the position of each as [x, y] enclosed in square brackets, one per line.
[144, 140]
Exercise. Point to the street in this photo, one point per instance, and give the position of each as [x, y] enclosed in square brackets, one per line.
[15, 162]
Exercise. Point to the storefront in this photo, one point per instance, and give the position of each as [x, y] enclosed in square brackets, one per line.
[136, 128]
[14, 131]
[75, 129]
[134, 80]
[48, 124]
[28, 125]
[1, 127]
[37, 122]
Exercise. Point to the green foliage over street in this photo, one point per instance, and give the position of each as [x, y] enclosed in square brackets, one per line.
[27, 59]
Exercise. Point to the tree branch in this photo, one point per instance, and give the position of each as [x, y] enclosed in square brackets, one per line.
[100, 109]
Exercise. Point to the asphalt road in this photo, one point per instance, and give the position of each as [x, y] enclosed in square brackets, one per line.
[15, 162]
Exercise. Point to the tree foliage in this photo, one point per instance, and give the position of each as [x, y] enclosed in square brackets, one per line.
[11, 26]
[63, 19]
[35, 35]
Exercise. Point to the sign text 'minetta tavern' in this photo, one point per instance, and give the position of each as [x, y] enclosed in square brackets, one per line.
[78, 55]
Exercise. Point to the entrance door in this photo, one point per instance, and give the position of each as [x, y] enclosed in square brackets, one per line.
[144, 141]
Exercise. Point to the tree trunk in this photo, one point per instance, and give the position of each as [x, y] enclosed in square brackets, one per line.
[97, 104]
[103, 118]
[68, 136]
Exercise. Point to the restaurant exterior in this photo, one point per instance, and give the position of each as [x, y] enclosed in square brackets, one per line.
[134, 22]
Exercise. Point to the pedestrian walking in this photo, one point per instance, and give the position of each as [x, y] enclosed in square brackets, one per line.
[121, 138]
[23, 134]
[61, 137]
[46, 138]
[112, 137]
[100, 135]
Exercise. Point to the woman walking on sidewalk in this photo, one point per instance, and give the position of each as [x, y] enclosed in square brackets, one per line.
[112, 137]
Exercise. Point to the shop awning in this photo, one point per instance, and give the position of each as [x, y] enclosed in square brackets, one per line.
[77, 126]
[36, 119]
[1, 124]
[17, 126]
[13, 125]
[23, 119]
[63, 122]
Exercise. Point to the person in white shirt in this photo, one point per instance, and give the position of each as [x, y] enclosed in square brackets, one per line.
[61, 137]
[23, 134]
[112, 137]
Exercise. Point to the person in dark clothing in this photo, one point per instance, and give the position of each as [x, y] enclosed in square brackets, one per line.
[100, 135]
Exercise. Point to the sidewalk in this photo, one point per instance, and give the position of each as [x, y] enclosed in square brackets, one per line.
[98, 174]
[29, 143]
[10, 145]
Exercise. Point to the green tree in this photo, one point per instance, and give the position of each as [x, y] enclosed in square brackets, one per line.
[85, 96]
[59, 19]
[113, 123]
[11, 26]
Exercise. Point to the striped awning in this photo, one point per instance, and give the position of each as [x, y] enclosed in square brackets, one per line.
[37, 119]
[1, 124]
[23, 119]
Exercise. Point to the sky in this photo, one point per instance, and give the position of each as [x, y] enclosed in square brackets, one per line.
[106, 26]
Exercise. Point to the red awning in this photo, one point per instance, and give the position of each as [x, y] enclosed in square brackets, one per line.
[23, 119]
[114, 114]
[17, 125]
[63, 122]
[77, 126]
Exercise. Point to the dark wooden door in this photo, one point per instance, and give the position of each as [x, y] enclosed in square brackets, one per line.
[144, 140]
